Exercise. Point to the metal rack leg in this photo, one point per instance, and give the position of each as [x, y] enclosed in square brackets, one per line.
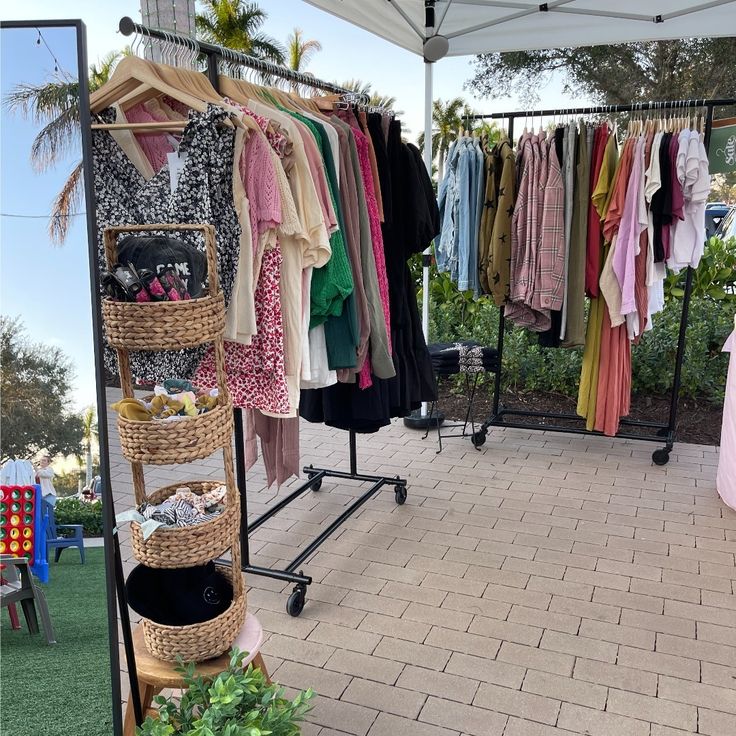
[479, 438]
[135, 693]
[240, 479]
[662, 455]
[297, 598]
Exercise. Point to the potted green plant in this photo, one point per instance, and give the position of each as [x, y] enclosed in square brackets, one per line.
[238, 702]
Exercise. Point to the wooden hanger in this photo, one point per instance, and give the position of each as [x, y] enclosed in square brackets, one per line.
[162, 126]
[238, 90]
[133, 73]
[326, 103]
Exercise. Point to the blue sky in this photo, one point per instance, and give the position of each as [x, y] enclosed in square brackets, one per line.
[48, 286]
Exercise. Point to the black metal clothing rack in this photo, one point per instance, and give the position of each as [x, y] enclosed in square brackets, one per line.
[295, 603]
[660, 430]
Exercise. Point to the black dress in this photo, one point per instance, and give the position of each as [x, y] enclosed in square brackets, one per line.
[411, 221]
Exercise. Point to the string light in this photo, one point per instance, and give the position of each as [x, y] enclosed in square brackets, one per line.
[40, 217]
[57, 65]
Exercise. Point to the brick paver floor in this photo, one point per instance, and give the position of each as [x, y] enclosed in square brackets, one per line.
[548, 585]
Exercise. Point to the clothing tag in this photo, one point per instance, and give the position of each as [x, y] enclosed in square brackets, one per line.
[176, 164]
[173, 142]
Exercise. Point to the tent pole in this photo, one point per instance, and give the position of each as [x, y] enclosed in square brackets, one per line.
[428, 69]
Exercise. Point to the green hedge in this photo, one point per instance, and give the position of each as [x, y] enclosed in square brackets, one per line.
[457, 315]
[74, 511]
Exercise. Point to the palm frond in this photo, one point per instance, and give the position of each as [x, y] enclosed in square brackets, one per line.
[301, 51]
[55, 140]
[265, 47]
[65, 205]
[206, 28]
[357, 86]
[99, 75]
[379, 100]
[39, 102]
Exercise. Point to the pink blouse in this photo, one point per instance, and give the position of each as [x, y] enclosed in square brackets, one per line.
[155, 146]
[376, 238]
[261, 186]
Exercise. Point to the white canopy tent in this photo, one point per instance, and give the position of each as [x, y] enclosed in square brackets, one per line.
[437, 28]
[478, 26]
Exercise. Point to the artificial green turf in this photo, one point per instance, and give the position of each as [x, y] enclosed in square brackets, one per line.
[62, 689]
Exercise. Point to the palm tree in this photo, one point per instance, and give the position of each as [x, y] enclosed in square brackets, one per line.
[56, 103]
[447, 119]
[300, 50]
[375, 99]
[236, 24]
[89, 435]
[357, 86]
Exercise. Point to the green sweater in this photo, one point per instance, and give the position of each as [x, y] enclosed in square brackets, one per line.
[332, 284]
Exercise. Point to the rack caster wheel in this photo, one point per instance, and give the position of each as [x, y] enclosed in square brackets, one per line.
[400, 494]
[661, 457]
[315, 486]
[478, 439]
[296, 601]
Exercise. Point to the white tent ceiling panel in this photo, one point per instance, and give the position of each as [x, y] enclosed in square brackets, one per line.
[477, 26]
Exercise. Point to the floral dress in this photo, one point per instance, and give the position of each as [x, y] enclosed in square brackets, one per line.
[256, 373]
[203, 194]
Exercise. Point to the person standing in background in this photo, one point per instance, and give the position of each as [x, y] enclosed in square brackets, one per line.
[726, 476]
[44, 476]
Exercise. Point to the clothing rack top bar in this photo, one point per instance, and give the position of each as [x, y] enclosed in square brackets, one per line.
[128, 27]
[607, 109]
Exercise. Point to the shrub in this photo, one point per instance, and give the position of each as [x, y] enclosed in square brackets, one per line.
[238, 702]
[457, 315]
[715, 276]
[704, 366]
[74, 511]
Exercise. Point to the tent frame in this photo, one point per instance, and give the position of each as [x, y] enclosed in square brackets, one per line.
[662, 430]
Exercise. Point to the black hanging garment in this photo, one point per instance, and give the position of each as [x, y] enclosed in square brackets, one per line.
[411, 221]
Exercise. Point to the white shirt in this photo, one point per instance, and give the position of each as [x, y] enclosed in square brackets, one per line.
[45, 477]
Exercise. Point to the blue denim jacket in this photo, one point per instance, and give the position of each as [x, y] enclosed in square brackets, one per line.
[445, 250]
[480, 177]
[465, 178]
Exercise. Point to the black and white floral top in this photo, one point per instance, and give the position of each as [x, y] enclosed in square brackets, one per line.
[203, 194]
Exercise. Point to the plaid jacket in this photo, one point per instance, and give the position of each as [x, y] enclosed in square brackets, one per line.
[549, 282]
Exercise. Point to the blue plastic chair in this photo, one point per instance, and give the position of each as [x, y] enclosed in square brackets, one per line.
[57, 543]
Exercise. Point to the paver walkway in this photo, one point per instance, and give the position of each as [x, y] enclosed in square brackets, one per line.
[548, 585]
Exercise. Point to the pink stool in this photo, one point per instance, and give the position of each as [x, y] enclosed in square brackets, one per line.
[154, 675]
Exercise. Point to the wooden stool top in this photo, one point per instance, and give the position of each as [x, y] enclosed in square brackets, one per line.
[162, 674]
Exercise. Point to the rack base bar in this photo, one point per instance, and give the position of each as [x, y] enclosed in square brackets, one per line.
[295, 603]
[338, 522]
[286, 576]
[659, 457]
[573, 430]
[266, 515]
[322, 473]
[577, 417]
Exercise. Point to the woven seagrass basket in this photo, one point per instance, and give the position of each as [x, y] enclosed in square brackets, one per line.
[185, 546]
[181, 440]
[164, 325]
[198, 642]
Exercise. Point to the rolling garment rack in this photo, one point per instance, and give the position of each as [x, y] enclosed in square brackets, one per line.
[660, 430]
[214, 55]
